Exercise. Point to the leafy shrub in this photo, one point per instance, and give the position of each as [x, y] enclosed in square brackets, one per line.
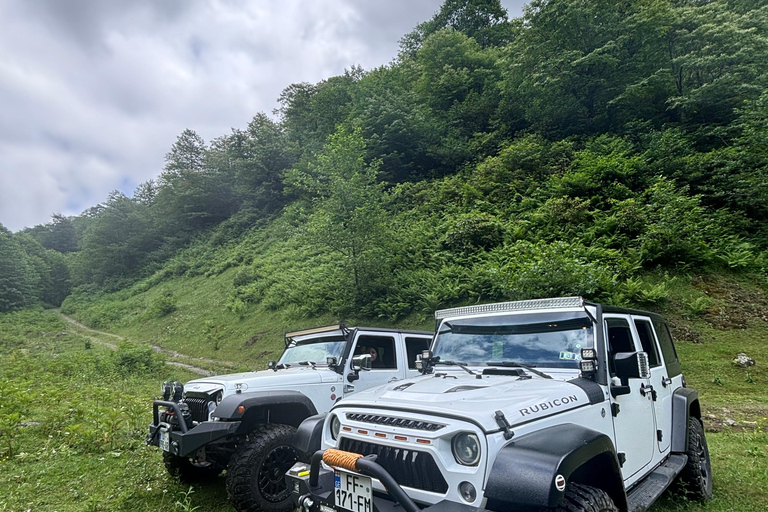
[161, 307]
[473, 231]
[244, 276]
[552, 270]
[131, 358]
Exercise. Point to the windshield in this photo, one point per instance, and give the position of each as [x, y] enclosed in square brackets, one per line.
[541, 340]
[315, 350]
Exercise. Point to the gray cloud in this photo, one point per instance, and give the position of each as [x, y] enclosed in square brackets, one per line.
[94, 92]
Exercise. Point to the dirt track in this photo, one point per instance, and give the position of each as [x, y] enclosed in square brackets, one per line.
[87, 332]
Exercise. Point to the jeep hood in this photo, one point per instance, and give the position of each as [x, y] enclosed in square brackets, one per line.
[290, 378]
[466, 396]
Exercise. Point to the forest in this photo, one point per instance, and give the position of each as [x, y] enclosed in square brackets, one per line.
[586, 148]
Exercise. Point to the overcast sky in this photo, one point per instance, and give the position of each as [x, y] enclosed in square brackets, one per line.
[93, 93]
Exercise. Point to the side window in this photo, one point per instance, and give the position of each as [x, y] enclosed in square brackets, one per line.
[648, 340]
[414, 347]
[667, 348]
[619, 339]
[381, 349]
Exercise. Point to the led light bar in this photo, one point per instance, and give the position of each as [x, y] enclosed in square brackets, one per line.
[316, 330]
[520, 305]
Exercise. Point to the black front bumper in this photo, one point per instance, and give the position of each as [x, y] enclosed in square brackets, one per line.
[184, 441]
[313, 490]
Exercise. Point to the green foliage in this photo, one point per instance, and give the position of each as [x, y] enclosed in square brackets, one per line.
[161, 307]
[17, 279]
[473, 231]
[347, 217]
[135, 359]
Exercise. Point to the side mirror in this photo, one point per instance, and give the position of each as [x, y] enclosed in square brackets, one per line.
[631, 365]
[361, 362]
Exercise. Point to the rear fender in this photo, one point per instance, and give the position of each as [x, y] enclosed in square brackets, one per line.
[685, 404]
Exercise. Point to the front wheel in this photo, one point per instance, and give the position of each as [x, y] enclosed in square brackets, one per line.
[583, 498]
[187, 470]
[696, 478]
[256, 472]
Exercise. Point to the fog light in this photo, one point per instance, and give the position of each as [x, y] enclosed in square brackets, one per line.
[178, 391]
[166, 390]
[468, 492]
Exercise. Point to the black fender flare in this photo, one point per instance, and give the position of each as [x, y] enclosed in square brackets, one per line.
[524, 472]
[309, 436]
[685, 403]
[286, 407]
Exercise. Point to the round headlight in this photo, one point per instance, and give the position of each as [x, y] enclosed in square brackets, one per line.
[335, 427]
[219, 396]
[466, 449]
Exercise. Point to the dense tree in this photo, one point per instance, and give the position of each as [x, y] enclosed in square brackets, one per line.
[194, 193]
[347, 215]
[259, 156]
[483, 20]
[17, 279]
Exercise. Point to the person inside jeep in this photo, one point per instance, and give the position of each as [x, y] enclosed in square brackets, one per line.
[375, 360]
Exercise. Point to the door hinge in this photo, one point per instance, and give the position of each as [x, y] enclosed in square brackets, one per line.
[615, 410]
[659, 435]
[622, 458]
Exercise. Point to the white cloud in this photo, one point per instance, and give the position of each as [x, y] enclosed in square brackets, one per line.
[94, 92]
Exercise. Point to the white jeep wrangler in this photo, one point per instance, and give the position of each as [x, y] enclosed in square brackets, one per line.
[554, 404]
[245, 422]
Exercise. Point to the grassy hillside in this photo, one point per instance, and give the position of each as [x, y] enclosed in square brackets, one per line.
[73, 419]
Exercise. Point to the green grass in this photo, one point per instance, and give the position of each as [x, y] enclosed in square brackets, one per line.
[73, 419]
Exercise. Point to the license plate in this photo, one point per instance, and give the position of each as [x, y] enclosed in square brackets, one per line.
[353, 491]
[165, 440]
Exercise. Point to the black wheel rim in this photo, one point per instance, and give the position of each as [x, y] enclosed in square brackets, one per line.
[272, 473]
[703, 461]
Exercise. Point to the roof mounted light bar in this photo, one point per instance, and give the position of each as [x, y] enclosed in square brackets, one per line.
[316, 330]
[520, 305]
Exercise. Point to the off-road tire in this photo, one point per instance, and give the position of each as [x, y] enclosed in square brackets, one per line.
[188, 471]
[256, 471]
[696, 477]
[583, 498]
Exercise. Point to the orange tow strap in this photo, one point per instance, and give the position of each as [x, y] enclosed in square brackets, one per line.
[340, 459]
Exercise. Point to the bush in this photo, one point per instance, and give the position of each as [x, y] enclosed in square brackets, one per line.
[161, 307]
[552, 270]
[131, 358]
[473, 231]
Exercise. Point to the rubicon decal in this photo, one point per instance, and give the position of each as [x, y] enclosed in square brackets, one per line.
[557, 402]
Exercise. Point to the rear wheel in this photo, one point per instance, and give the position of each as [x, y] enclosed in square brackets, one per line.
[696, 478]
[256, 472]
[187, 470]
[583, 498]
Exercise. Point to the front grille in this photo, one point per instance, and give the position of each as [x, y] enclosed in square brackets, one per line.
[394, 422]
[409, 468]
[198, 408]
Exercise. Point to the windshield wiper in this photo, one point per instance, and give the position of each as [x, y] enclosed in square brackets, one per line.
[461, 365]
[307, 363]
[512, 364]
